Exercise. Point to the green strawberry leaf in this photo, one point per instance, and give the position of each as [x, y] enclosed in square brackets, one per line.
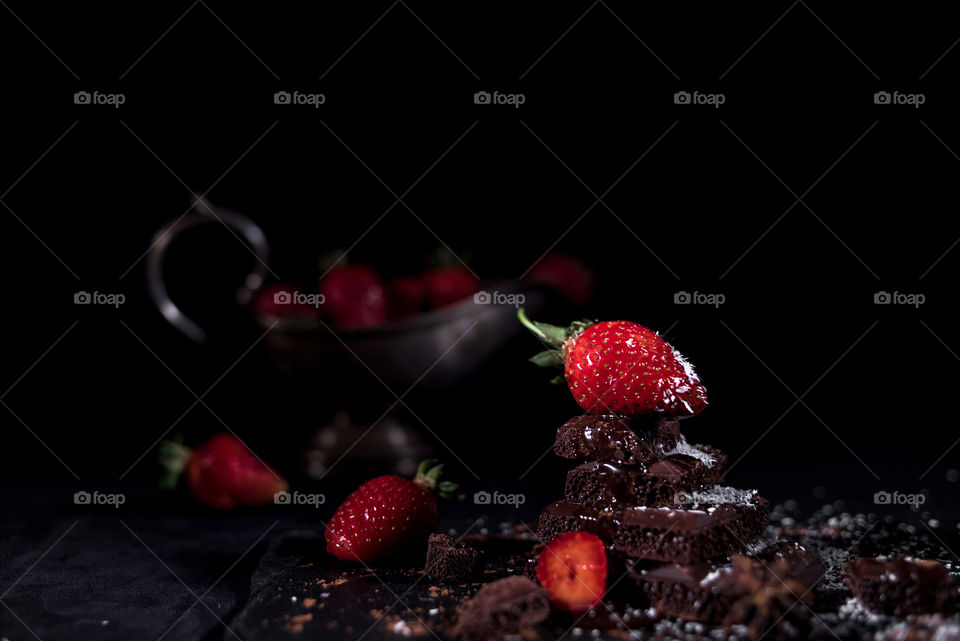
[548, 358]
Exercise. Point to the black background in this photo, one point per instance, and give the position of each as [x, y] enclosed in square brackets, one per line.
[704, 199]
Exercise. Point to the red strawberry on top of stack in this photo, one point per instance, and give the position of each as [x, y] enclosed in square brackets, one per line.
[641, 494]
[620, 367]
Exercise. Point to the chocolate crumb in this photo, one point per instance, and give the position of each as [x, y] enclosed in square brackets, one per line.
[505, 606]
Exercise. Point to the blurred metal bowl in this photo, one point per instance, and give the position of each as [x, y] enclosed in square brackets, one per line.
[435, 349]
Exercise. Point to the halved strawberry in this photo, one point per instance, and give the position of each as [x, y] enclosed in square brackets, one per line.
[573, 569]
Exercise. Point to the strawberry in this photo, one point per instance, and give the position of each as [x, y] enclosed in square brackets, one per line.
[407, 295]
[573, 570]
[566, 274]
[447, 285]
[621, 367]
[387, 515]
[278, 300]
[354, 296]
[222, 472]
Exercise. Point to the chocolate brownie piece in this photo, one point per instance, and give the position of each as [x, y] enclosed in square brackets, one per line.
[502, 607]
[654, 485]
[619, 439]
[708, 590]
[900, 586]
[705, 529]
[449, 561]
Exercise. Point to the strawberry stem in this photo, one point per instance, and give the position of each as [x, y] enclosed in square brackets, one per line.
[557, 338]
[428, 475]
[173, 458]
[552, 335]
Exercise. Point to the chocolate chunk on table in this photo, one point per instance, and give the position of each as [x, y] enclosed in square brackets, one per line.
[502, 607]
[706, 591]
[449, 561]
[679, 535]
[655, 484]
[788, 561]
[900, 586]
[620, 439]
[775, 612]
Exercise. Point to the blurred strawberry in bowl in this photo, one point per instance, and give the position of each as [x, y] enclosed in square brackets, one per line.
[354, 296]
[566, 274]
[448, 285]
[408, 296]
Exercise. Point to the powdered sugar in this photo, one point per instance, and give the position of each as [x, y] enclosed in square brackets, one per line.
[683, 447]
[719, 495]
[686, 365]
[716, 574]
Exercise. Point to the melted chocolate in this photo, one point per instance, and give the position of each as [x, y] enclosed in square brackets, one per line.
[661, 533]
[619, 439]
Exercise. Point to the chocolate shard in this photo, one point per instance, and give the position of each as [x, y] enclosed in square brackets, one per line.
[614, 438]
[707, 591]
[900, 586]
[500, 608]
[773, 611]
[654, 485]
[716, 524]
[785, 561]
[449, 561]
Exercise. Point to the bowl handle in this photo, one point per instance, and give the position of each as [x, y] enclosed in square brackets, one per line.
[203, 212]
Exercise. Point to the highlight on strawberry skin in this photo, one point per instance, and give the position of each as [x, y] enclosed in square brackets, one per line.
[573, 570]
[620, 367]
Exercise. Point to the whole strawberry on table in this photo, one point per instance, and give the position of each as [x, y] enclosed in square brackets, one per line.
[388, 515]
[221, 472]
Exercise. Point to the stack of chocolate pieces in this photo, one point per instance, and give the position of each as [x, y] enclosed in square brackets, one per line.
[660, 505]
[648, 493]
